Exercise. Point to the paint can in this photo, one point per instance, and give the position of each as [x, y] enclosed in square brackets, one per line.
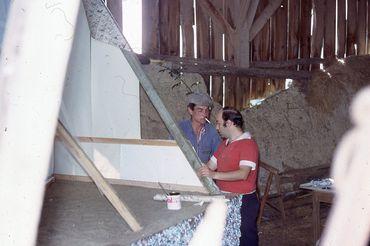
[173, 201]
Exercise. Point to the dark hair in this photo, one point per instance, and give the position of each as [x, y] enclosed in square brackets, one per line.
[191, 106]
[229, 113]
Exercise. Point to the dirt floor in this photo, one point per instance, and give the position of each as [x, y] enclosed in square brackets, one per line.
[75, 213]
[297, 229]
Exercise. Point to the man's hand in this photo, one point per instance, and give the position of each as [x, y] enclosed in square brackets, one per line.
[205, 171]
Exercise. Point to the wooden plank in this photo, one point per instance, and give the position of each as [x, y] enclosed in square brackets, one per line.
[186, 22]
[329, 35]
[230, 81]
[319, 9]
[341, 28]
[153, 142]
[82, 158]
[255, 64]
[203, 39]
[115, 7]
[293, 40]
[305, 31]
[279, 38]
[261, 51]
[351, 27]
[217, 47]
[150, 33]
[246, 72]
[368, 27]
[361, 27]
[169, 11]
[145, 184]
[174, 27]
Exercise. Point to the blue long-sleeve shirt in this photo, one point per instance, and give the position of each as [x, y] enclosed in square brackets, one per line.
[207, 143]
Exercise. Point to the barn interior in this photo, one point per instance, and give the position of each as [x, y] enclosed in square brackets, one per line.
[292, 67]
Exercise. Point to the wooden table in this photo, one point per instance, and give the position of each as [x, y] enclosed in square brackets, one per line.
[318, 196]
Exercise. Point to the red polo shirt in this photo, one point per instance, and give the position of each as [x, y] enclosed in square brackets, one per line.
[230, 156]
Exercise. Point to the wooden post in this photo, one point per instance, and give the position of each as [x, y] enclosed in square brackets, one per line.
[304, 31]
[318, 28]
[341, 29]
[82, 158]
[216, 53]
[187, 21]
[183, 143]
[34, 58]
[315, 216]
[150, 42]
[203, 39]
[329, 35]
[361, 28]
[351, 27]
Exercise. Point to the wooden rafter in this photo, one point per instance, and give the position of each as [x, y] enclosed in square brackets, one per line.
[251, 14]
[263, 18]
[216, 16]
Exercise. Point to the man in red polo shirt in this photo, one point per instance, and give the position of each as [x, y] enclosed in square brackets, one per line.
[234, 166]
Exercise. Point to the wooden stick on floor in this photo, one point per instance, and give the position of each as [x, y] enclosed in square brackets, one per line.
[81, 157]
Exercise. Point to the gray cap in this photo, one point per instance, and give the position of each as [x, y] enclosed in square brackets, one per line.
[200, 99]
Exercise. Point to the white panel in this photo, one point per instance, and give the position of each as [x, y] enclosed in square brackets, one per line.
[156, 164]
[115, 93]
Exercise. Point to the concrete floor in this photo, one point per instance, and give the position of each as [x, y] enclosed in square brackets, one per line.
[75, 213]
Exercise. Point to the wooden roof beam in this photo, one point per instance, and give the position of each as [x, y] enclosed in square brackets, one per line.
[243, 71]
[263, 18]
[216, 16]
[251, 14]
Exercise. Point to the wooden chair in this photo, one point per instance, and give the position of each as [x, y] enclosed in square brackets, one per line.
[272, 171]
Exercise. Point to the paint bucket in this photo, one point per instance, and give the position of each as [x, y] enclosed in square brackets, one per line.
[173, 201]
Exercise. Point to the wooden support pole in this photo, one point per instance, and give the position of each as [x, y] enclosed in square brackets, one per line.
[81, 157]
[116, 38]
[171, 125]
[34, 59]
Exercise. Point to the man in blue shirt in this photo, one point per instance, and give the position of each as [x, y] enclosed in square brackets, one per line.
[201, 134]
